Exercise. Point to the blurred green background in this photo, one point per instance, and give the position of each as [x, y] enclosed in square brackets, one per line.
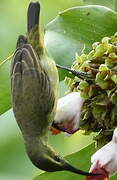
[14, 163]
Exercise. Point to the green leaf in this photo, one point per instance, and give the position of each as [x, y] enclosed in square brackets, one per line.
[5, 99]
[107, 3]
[76, 29]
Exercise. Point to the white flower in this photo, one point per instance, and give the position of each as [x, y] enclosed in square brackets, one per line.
[106, 158]
[67, 116]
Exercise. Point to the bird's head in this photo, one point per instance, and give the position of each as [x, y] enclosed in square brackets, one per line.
[45, 158]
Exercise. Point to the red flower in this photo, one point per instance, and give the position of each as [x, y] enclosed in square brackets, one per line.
[104, 161]
[104, 174]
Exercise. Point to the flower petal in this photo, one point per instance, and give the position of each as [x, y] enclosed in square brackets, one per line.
[54, 131]
[104, 174]
[67, 116]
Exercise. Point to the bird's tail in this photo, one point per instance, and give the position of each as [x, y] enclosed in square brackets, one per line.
[34, 37]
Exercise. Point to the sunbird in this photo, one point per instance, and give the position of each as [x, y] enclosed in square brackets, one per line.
[34, 89]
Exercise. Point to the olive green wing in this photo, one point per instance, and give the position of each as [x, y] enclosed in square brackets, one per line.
[32, 95]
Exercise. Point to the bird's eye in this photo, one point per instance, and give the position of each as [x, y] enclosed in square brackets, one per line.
[56, 158]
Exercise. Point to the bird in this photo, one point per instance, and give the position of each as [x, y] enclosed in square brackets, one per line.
[67, 117]
[34, 90]
[104, 161]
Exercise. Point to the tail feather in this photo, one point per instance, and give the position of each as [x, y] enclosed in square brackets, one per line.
[34, 37]
[33, 16]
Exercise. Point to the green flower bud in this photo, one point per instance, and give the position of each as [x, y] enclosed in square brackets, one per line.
[99, 88]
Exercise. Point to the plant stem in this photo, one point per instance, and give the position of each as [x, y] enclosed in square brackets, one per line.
[3, 62]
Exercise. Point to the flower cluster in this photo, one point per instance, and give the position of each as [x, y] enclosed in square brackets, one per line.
[99, 88]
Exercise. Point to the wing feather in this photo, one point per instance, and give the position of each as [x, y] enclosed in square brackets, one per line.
[32, 94]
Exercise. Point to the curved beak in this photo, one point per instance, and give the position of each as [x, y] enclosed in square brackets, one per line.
[78, 171]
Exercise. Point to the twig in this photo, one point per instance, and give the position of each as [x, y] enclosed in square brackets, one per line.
[3, 62]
